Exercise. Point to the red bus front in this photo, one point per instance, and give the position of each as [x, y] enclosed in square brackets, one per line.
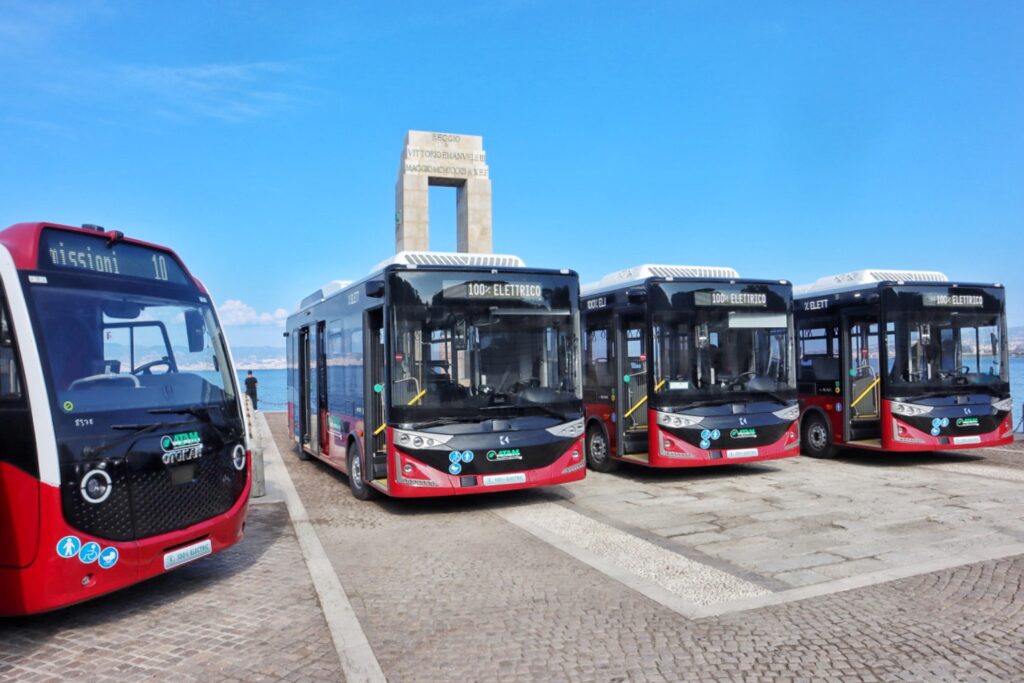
[134, 458]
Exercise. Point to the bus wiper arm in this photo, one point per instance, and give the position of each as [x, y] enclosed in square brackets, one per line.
[202, 412]
[137, 430]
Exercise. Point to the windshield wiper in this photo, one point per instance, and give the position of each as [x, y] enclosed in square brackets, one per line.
[439, 422]
[548, 410]
[711, 402]
[202, 412]
[137, 430]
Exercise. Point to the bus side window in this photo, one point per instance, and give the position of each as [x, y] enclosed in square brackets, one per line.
[818, 352]
[10, 384]
[597, 361]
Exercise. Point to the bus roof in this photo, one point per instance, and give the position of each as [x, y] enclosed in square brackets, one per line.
[417, 258]
[865, 279]
[643, 272]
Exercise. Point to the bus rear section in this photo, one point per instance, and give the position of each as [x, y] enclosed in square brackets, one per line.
[441, 374]
[902, 361]
[123, 452]
[688, 366]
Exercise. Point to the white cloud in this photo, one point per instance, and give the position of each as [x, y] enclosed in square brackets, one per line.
[235, 313]
[228, 92]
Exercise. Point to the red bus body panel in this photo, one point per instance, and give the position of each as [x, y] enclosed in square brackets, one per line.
[445, 484]
[898, 436]
[52, 581]
[684, 454]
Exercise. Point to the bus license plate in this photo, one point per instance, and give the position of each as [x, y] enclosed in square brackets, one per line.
[181, 556]
[959, 440]
[741, 453]
[502, 479]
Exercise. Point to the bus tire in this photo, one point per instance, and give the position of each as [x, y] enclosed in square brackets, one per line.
[360, 489]
[599, 456]
[301, 453]
[816, 436]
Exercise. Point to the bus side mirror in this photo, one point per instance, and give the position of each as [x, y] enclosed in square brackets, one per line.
[195, 328]
[995, 346]
[375, 289]
[636, 295]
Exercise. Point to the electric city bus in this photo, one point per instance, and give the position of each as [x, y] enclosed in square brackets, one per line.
[123, 451]
[440, 374]
[687, 366]
[902, 361]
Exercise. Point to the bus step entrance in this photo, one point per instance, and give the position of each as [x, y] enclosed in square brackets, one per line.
[634, 441]
[379, 465]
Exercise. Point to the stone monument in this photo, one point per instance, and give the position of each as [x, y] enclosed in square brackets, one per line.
[445, 159]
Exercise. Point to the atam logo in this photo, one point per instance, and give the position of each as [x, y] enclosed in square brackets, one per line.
[743, 433]
[181, 447]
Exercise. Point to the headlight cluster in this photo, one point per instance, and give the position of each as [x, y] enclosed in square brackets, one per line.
[1006, 404]
[574, 428]
[420, 439]
[676, 420]
[788, 413]
[238, 457]
[909, 409]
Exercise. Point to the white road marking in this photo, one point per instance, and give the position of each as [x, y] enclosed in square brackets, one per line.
[675, 581]
[354, 651]
[989, 471]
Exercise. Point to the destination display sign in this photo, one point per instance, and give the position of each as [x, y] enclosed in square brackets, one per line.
[519, 291]
[63, 250]
[717, 297]
[953, 300]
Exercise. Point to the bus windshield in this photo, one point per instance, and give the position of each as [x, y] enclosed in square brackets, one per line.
[721, 343]
[117, 350]
[943, 340]
[472, 346]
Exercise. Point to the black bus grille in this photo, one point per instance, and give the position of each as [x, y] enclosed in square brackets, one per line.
[147, 501]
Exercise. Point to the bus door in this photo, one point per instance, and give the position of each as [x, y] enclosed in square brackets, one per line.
[633, 384]
[862, 372]
[376, 381]
[322, 422]
[304, 388]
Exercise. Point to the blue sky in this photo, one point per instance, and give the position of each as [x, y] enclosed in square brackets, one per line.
[262, 141]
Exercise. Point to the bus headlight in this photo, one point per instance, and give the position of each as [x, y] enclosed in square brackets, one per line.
[1005, 405]
[238, 457]
[676, 420]
[788, 413]
[420, 439]
[574, 428]
[96, 486]
[909, 409]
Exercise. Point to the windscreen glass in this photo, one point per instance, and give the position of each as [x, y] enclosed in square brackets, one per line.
[482, 345]
[117, 350]
[944, 339]
[721, 342]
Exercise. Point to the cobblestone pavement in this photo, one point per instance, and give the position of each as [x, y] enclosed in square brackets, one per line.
[247, 614]
[447, 590]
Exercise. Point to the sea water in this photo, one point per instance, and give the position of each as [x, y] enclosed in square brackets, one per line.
[273, 388]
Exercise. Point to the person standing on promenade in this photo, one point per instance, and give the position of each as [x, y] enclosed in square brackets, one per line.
[250, 389]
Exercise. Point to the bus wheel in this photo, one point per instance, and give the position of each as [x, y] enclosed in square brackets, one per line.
[817, 437]
[598, 457]
[301, 452]
[360, 489]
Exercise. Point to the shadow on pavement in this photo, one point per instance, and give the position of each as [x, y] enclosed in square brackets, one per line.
[865, 458]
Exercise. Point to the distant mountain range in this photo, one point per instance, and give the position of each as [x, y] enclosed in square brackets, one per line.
[258, 357]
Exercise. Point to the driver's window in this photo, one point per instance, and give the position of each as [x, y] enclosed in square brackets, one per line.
[116, 350]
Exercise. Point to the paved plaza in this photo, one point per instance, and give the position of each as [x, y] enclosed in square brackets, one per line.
[870, 567]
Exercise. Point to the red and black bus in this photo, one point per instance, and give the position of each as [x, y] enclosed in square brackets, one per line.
[440, 374]
[902, 361]
[123, 450]
[687, 366]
